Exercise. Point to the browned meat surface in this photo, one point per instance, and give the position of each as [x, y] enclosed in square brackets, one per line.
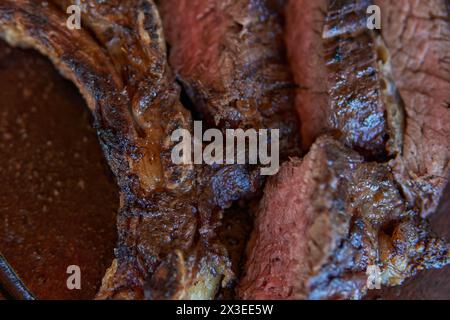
[343, 76]
[354, 61]
[167, 244]
[229, 56]
[230, 59]
[418, 36]
[324, 220]
[335, 214]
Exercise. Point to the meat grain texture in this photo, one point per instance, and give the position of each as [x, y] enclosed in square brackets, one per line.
[230, 57]
[418, 36]
[304, 26]
[342, 212]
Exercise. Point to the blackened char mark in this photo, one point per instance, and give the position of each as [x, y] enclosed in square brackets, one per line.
[357, 109]
[344, 76]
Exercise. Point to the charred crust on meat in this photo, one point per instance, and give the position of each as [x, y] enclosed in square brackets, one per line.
[346, 215]
[136, 107]
[231, 61]
[344, 211]
[365, 105]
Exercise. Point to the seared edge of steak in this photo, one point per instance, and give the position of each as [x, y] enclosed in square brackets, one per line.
[363, 97]
[344, 76]
[324, 220]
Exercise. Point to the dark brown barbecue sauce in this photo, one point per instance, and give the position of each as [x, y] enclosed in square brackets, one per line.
[58, 199]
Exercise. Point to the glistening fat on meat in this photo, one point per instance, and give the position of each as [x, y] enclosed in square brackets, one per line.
[328, 218]
[325, 220]
[342, 71]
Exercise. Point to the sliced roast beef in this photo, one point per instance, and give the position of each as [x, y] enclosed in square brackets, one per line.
[327, 219]
[304, 25]
[343, 76]
[418, 36]
[230, 57]
[412, 90]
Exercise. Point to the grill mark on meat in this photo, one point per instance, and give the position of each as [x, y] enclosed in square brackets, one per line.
[418, 37]
[345, 77]
[163, 226]
[323, 220]
[359, 107]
